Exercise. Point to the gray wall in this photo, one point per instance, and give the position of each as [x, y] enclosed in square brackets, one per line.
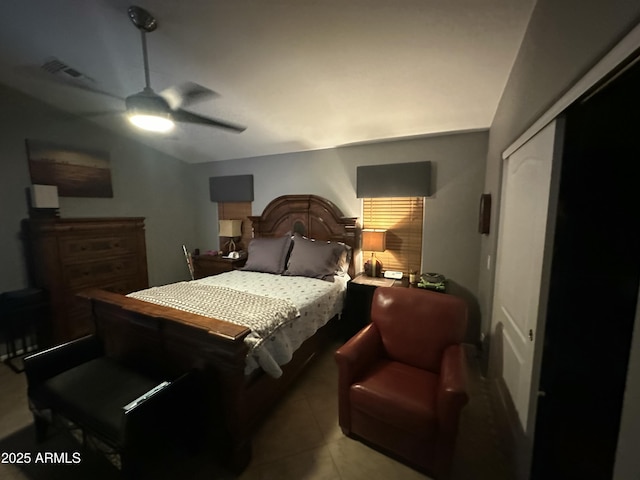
[174, 197]
[146, 183]
[563, 41]
[451, 243]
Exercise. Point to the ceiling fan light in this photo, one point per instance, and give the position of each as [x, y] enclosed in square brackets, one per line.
[152, 122]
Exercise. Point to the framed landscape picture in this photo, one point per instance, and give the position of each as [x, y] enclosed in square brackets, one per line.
[76, 172]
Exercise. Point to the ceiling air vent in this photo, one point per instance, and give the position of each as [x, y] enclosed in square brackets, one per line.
[56, 67]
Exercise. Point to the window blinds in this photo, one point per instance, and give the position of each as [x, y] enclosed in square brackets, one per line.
[402, 217]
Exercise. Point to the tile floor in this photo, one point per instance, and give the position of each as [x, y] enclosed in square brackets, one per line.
[301, 439]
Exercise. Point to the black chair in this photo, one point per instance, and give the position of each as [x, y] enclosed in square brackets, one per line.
[134, 414]
[24, 322]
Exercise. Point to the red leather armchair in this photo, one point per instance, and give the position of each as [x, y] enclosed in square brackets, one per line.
[402, 379]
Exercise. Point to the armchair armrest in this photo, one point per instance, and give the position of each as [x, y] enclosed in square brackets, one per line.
[451, 398]
[353, 359]
[355, 356]
[46, 364]
[452, 389]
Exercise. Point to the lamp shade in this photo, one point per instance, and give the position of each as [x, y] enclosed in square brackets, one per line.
[374, 240]
[230, 228]
[44, 196]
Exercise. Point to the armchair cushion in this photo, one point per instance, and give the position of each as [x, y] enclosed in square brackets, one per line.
[400, 395]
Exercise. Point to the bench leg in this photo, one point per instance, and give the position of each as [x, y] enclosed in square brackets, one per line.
[41, 425]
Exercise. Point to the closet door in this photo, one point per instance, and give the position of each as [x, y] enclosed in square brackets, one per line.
[525, 233]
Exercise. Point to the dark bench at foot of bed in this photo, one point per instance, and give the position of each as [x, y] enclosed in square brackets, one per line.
[131, 412]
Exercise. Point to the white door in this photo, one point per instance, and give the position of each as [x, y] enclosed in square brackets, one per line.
[520, 294]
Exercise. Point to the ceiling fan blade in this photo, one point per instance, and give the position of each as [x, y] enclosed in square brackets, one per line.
[187, 93]
[188, 117]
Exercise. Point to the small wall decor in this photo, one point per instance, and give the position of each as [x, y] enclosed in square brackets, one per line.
[76, 172]
[484, 221]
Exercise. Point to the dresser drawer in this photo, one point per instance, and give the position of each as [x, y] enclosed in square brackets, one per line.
[76, 311]
[100, 272]
[72, 248]
[78, 321]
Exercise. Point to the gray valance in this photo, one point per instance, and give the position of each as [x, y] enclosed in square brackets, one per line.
[394, 180]
[231, 188]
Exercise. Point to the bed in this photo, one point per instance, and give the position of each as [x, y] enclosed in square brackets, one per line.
[240, 384]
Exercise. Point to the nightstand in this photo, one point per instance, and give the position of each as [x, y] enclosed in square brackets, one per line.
[357, 308]
[207, 265]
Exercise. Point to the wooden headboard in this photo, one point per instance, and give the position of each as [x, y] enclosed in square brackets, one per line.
[309, 215]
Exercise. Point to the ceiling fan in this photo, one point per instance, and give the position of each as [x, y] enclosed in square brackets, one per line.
[148, 110]
[158, 112]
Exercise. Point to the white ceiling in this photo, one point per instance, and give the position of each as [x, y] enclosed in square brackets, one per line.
[300, 74]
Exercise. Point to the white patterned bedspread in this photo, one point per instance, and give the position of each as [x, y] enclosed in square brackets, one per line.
[281, 311]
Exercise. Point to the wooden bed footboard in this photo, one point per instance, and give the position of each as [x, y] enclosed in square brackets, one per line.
[168, 341]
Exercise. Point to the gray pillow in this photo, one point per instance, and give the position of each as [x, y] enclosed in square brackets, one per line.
[268, 255]
[315, 258]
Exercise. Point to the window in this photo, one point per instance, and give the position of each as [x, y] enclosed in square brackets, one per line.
[402, 217]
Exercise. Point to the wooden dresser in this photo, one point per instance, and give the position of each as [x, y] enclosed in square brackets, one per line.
[69, 255]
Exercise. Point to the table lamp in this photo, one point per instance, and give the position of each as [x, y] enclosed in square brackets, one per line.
[230, 229]
[374, 241]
